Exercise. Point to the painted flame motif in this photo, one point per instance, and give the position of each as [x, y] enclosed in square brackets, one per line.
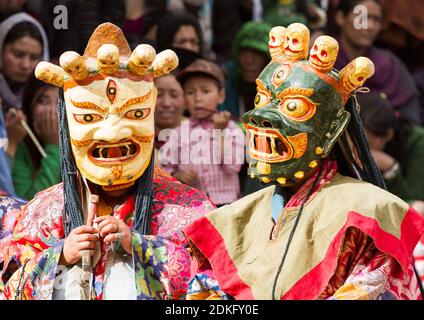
[116, 171]
[299, 143]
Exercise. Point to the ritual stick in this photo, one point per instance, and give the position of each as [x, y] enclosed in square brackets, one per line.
[31, 134]
[86, 264]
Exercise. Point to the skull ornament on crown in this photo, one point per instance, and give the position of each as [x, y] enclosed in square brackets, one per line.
[110, 99]
[299, 107]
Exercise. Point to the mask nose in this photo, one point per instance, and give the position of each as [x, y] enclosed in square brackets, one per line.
[262, 117]
[113, 130]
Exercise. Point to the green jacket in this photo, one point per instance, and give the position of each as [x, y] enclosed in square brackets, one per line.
[26, 179]
[408, 184]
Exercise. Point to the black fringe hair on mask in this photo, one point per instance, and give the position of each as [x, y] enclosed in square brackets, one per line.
[363, 166]
[73, 216]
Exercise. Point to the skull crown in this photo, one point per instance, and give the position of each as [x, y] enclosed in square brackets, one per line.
[107, 52]
[291, 45]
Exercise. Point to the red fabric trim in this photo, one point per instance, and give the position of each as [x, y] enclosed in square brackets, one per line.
[215, 251]
[412, 227]
[328, 170]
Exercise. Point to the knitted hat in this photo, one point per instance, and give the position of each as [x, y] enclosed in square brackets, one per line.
[253, 35]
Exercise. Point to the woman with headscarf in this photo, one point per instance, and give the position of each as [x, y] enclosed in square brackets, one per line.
[181, 32]
[23, 44]
[250, 56]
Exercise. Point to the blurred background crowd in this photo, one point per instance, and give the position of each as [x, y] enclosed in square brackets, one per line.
[232, 35]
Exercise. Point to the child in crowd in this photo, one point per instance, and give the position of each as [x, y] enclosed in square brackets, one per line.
[210, 145]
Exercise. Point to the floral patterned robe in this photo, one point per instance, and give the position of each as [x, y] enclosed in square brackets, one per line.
[161, 260]
[10, 206]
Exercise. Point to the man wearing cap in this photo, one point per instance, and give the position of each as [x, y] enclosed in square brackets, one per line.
[210, 146]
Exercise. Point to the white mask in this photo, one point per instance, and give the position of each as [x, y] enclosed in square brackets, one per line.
[110, 100]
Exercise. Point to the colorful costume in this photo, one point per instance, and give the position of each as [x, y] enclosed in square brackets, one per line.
[315, 233]
[161, 260]
[106, 144]
[10, 207]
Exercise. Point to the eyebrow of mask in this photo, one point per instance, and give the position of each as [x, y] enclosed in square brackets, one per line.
[261, 87]
[88, 105]
[295, 91]
[92, 106]
[133, 101]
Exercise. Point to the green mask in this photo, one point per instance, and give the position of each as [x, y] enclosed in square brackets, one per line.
[299, 114]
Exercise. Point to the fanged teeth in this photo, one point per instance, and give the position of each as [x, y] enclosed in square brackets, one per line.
[272, 139]
[274, 148]
[103, 152]
[125, 150]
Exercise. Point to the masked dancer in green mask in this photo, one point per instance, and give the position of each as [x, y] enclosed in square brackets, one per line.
[324, 228]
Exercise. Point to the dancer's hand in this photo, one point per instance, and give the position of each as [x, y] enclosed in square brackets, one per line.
[80, 239]
[111, 228]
